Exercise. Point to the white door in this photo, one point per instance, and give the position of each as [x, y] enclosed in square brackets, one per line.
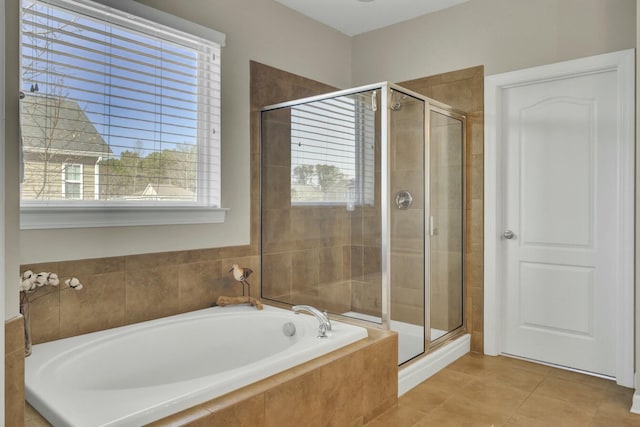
[565, 171]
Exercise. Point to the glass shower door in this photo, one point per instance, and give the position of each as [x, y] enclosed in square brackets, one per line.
[446, 223]
[407, 224]
[320, 203]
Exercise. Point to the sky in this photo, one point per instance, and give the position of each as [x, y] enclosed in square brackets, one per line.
[139, 93]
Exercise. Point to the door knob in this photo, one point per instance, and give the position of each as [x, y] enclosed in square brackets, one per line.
[508, 234]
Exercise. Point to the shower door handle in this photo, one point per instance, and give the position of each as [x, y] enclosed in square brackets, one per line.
[508, 234]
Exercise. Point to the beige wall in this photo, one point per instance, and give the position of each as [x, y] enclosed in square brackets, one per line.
[502, 35]
[637, 204]
[262, 30]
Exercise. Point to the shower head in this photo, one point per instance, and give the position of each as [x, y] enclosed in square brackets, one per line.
[396, 101]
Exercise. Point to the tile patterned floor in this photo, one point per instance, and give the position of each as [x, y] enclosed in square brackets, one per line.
[489, 391]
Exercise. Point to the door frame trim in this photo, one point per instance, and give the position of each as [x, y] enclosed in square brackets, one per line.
[623, 62]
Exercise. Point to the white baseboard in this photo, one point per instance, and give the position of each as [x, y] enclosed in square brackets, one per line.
[635, 403]
[427, 366]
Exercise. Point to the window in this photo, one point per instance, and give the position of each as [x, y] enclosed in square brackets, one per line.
[72, 181]
[127, 106]
[333, 151]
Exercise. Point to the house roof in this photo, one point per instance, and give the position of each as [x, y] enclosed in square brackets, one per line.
[166, 190]
[59, 125]
[163, 192]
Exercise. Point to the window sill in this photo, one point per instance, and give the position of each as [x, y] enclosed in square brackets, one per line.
[47, 217]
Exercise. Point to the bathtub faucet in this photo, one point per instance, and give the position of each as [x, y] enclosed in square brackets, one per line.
[323, 318]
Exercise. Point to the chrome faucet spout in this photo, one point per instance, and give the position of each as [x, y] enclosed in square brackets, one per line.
[323, 318]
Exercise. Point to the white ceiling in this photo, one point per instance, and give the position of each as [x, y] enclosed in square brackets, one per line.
[359, 16]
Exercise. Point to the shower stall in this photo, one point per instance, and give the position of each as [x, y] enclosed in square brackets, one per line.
[362, 210]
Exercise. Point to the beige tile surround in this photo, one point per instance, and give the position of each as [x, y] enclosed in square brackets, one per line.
[124, 290]
[336, 390]
[14, 372]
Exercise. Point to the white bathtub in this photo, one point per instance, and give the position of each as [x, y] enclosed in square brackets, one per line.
[136, 374]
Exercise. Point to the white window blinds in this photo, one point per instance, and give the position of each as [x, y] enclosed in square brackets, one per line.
[333, 151]
[135, 103]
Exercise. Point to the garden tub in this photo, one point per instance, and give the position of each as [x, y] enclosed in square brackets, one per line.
[135, 374]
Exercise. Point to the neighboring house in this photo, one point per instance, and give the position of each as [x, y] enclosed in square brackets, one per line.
[163, 192]
[62, 150]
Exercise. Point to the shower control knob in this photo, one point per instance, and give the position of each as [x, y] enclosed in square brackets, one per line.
[404, 199]
[508, 234]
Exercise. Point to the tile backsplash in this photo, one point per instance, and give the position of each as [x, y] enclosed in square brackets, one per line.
[129, 289]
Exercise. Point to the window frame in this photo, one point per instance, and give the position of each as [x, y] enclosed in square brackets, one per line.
[66, 181]
[71, 213]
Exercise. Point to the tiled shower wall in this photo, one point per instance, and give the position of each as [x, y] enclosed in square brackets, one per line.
[365, 255]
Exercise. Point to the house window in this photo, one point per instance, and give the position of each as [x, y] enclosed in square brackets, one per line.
[72, 181]
[126, 105]
[333, 151]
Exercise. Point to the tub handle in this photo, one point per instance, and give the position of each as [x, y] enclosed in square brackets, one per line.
[322, 331]
[324, 324]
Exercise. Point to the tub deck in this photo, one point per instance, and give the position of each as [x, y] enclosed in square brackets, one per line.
[357, 383]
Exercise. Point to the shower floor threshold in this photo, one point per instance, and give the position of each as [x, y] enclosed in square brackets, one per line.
[410, 337]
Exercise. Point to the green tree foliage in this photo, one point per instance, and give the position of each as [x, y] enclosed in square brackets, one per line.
[328, 176]
[303, 174]
[130, 174]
